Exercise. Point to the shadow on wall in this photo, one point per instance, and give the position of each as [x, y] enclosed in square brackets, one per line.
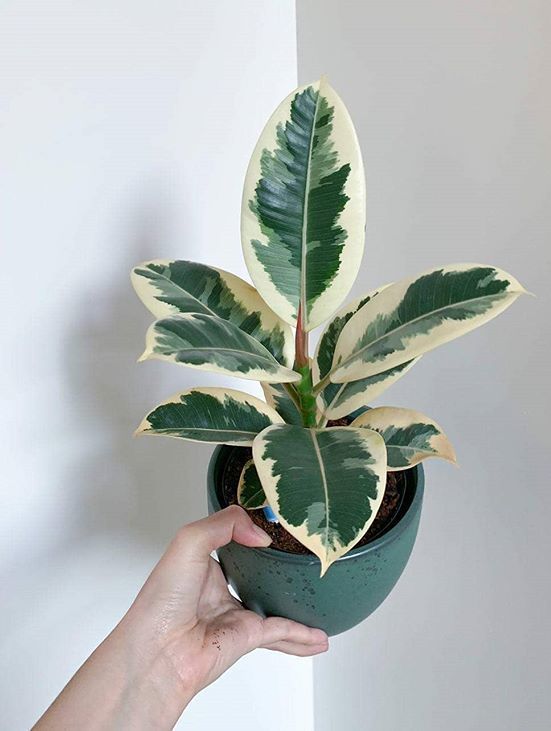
[141, 489]
[115, 501]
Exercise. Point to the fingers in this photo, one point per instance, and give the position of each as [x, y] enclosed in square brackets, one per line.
[198, 540]
[294, 648]
[292, 637]
[187, 561]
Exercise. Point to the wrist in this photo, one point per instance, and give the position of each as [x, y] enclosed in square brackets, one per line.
[123, 684]
[153, 687]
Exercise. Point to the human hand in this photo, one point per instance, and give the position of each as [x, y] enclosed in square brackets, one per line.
[190, 615]
[181, 633]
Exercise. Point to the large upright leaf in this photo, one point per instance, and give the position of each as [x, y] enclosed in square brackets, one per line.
[215, 415]
[303, 212]
[413, 316]
[169, 287]
[410, 436]
[340, 399]
[325, 485]
[213, 344]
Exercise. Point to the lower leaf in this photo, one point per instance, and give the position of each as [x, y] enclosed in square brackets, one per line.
[410, 437]
[325, 485]
[250, 493]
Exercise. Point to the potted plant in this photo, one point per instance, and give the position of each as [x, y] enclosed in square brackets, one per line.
[338, 486]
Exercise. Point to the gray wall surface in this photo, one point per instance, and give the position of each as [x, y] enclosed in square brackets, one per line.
[452, 102]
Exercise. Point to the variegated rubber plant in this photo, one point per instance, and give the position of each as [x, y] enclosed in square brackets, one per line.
[303, 223]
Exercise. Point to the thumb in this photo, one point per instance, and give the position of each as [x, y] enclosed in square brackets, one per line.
[198, 540]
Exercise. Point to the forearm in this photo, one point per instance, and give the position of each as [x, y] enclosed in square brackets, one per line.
[122, 685]
[181, 633]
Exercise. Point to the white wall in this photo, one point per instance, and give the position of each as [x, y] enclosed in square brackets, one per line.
[125, 130]
[452, 101]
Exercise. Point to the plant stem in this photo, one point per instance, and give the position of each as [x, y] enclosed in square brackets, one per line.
[302, 366]
[321, 385]
[301, 342]
[307, 398]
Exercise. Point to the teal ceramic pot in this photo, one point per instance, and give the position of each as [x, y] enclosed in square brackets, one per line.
[273, 582]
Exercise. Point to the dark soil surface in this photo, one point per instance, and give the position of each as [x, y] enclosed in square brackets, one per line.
[284, 541]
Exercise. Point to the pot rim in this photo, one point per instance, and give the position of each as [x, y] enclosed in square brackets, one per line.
[375, 545]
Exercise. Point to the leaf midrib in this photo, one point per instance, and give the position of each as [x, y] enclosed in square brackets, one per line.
[185, 291]
[226, 350]
[324, 483]
[305, 211]
[200, 429]
[423, 450]
[336, 398]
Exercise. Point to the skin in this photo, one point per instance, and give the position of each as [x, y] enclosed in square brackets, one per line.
[182, 632]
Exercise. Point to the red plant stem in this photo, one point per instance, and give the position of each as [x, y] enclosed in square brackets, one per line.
[301, 341]
[307, 399]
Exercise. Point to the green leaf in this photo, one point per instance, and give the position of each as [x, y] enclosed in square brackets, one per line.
[340, 399]
[325, 485]
[279, 399]
[325, 350]
[250, 493]
[410, 436]
[212, 344]
[168, 287]
[215, 415]
[303, 213]
[413, 316]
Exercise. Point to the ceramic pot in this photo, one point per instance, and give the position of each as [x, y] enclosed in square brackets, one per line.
[273, 582]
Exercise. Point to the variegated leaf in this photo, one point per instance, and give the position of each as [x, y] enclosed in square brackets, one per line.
[303, 212]
[340, 399]
[413, 316]
[325, 350]
[279, 399]
[216, 415]
[250, 493]
[410, 436]
[212, 344]
[325, 485]
[168, 287]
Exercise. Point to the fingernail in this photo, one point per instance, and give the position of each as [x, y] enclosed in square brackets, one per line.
[266, 540]
[321, 636]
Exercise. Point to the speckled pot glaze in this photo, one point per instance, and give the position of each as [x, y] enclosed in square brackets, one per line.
[273, 582]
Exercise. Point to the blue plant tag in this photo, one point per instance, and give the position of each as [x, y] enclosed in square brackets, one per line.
[270, 515]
